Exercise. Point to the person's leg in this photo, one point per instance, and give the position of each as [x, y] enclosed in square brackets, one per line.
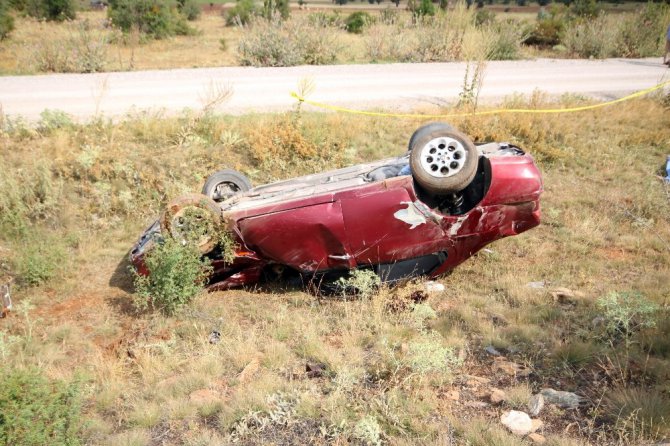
[666, 56]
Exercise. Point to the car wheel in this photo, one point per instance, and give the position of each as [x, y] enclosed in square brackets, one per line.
[421, 131]
[443, 161]
[224, 184]
[193, 219]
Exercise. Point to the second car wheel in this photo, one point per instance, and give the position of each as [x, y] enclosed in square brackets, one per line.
[443, 161]
[193, 219]
[224, 184]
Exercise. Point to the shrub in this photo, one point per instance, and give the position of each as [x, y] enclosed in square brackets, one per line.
[55, 10]
[428, 355]
[425, 8]
[546, 32]
[626, 313]
[592, 38]
[585, 8]
[155, 18]
[6, 21]
[189, 9]
[177, 274]
[357, 21]
[241, 13]
[37, 411]
[283, 44]
[642, 34]
[275, 8]
[506, 41]
[84, 51]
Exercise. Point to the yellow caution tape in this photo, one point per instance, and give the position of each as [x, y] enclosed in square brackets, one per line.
[479, 113]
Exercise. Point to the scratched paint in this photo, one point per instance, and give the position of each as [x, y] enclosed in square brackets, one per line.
[412, 215]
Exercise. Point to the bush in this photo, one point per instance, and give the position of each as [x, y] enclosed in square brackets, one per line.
[592, 38]
[56, 10]
[585, 8]
[426, 8]
[546, 32]
[155, 18]
[275, 8]
[177, 274]
[189, 9]
[6, 21]
[84, 51]
[626, 313]
[284, 44]
[36, 411]
[506, 41]
[241, 13]
[357, 21]
[642, 34]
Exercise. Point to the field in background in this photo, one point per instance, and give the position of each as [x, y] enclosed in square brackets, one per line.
[311, 37]
[389, 368]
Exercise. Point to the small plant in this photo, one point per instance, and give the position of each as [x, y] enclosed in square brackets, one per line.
[36, 411]
[368, 431]
[626, 313]
[51, 120]
[177, 273]
[429, 355]
[363, 282]
[357, 21]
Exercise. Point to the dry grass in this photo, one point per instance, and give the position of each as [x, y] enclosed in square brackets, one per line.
[152, 379]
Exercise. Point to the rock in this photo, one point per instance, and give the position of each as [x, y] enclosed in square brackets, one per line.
[517, 422]
[497, 396]
[537, 438]
[491, 350]
[510, 368]
[536, 285]
[434, 287]
[537, 425]
[250, 370]
[535, 404]
[564, 400]
[566, 296]
[453, 395]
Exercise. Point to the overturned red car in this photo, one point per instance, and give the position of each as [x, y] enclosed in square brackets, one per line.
[419, 214]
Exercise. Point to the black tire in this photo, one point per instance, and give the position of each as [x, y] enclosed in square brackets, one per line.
[224, 184]
[443, 161]
[430, 127]
[193, 218]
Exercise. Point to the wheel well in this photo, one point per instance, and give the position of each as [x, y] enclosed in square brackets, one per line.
[463, 201]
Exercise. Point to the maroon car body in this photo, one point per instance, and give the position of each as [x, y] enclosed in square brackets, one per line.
[360, 217]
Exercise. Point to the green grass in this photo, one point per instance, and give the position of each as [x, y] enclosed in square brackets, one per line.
[388, 364]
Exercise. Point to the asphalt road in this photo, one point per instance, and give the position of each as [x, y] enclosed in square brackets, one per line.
[389, 86]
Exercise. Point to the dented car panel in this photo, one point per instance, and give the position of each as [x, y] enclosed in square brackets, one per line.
[357, 218]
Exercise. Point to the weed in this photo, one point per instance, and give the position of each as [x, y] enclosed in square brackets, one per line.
[368, 431]
[363, 282]
[177, 274]
[51, 120]
[626, 313]
[37, 411]
[428, 355]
